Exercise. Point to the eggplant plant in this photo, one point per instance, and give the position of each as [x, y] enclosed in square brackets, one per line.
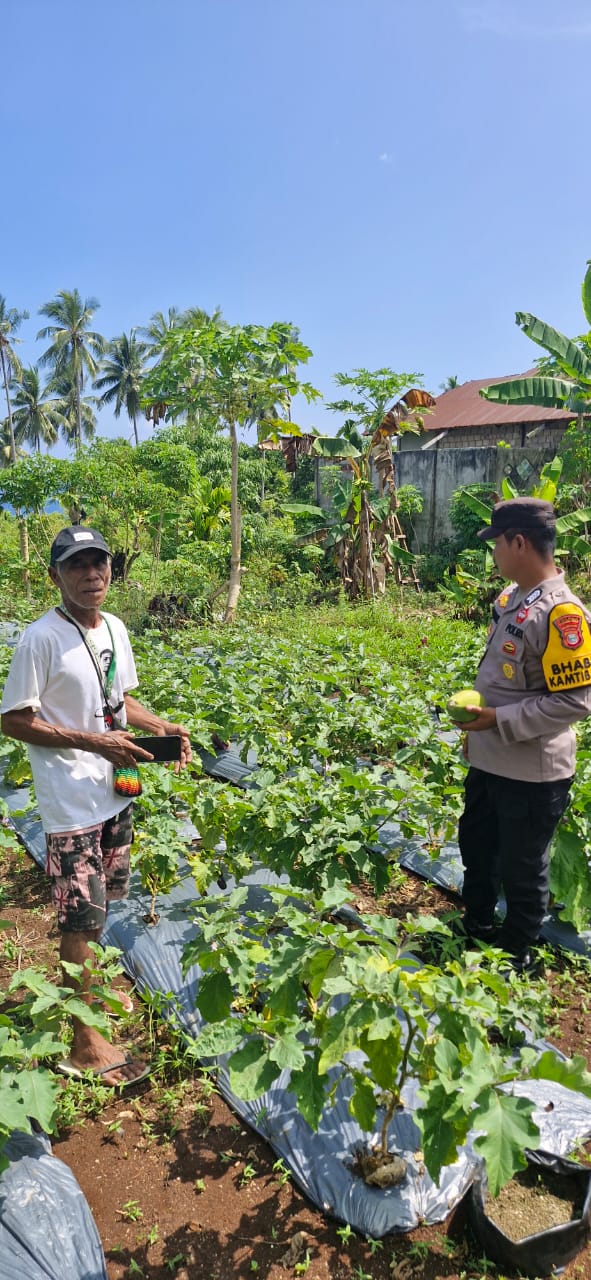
[298, 991]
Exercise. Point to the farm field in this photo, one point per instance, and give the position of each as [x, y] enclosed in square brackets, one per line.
[176, 1183]
[178, 1186]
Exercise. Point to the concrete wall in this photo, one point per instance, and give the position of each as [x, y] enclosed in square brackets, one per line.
[437, 473]
[547, 434]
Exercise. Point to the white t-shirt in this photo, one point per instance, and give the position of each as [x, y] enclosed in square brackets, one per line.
[52, 672]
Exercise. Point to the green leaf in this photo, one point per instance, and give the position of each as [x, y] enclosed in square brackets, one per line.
[385, 1059]
[363, 1104]
[571, 359]
[288, 1053]
[251, 1071]
[39, 1094]
[309, 1090]
[551, 392]
[572, 1073]
[586, 294]
[214, 996]
[221, 1037]
[13, 1112]
[439, 1138]
[508, 1130]
[331, 447]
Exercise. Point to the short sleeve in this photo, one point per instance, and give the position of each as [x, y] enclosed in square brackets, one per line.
[24, 682]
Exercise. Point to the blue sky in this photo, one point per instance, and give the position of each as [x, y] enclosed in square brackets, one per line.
[396, 177]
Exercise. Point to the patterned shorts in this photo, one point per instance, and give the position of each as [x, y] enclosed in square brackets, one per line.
[88, 869]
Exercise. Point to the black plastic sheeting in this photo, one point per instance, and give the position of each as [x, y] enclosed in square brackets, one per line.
[46, 1228]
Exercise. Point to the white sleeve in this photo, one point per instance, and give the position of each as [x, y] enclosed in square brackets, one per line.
[25, 680]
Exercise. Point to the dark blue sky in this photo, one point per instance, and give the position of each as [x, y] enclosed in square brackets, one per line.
[396, 177]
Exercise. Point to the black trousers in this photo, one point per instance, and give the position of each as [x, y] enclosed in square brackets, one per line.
[504, 837]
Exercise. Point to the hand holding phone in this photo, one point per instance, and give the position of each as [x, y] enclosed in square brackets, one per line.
[162, 748]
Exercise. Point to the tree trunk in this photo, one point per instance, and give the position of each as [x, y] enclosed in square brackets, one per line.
[366, 550]
[235, 526]
[23, 535]
[135, 431]
[78, 411]
[11, 438]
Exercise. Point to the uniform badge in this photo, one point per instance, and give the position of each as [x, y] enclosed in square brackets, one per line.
[508, 670]
[566, 660]
[503, 599]
[533, 595]
[509, 647]
[521, 614]
[570, 629]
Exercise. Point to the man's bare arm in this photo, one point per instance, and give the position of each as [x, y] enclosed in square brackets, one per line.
[26, 725]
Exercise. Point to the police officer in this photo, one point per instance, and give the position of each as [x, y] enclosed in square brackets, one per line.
[535, 677]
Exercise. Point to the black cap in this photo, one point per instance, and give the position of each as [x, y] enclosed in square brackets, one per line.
[74, 539]
[521, 514]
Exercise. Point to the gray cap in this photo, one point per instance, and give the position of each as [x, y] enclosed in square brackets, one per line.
[521, 514]
[73, 539]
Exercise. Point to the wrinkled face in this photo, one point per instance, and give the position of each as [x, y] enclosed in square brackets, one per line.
[83, 580]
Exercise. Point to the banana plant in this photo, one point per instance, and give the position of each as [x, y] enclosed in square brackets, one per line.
[565, 379]
[362, 529]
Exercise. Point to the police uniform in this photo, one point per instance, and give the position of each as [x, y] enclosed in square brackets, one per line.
[536, 671]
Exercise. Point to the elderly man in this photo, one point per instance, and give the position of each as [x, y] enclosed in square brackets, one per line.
[535, 676]
[68, 696]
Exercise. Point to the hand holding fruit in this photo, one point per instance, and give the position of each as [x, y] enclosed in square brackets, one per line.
[468, 708]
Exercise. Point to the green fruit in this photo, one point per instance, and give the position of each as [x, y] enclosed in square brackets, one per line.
[459, 701]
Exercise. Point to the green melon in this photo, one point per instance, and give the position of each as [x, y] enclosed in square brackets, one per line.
[459, 701]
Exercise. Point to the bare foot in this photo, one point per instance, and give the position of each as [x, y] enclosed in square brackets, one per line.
[125, 999]
[92, 1052]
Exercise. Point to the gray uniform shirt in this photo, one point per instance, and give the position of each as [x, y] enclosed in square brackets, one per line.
[536, 670]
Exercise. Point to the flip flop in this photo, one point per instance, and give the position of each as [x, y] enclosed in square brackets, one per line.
[67, 1068]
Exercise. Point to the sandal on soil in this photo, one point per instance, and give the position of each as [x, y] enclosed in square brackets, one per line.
[67, 1068]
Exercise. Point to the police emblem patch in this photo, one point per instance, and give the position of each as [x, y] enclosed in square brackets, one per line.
[570, 629]
[508, 670]
[521, 614]
[503, 599]
[509, 647]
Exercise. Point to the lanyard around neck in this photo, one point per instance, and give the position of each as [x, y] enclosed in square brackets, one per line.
[106, 680]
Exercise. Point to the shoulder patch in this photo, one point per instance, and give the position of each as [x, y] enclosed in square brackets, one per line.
[533, 595]
[503, 599]
[566, 660]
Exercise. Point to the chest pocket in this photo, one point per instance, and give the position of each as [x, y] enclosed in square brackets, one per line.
[567, 657]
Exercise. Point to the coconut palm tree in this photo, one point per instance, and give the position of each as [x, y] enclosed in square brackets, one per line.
[36, 421]
[158, 326]
[75, 348]
[78, 414]
[10, 321]
[122, 374]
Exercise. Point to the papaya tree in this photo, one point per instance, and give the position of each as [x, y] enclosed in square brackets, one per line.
[240, 376]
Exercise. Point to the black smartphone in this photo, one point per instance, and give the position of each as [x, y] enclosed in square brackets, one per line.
[167, 747]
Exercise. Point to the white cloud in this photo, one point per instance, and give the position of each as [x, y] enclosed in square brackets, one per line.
[385, 157]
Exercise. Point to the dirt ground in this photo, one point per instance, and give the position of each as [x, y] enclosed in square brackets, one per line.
[180, 1188]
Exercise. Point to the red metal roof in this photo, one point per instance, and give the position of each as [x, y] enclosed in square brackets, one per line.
[464, 407]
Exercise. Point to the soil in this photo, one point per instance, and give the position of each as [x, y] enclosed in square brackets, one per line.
[179, 1187]
[534, 1202]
